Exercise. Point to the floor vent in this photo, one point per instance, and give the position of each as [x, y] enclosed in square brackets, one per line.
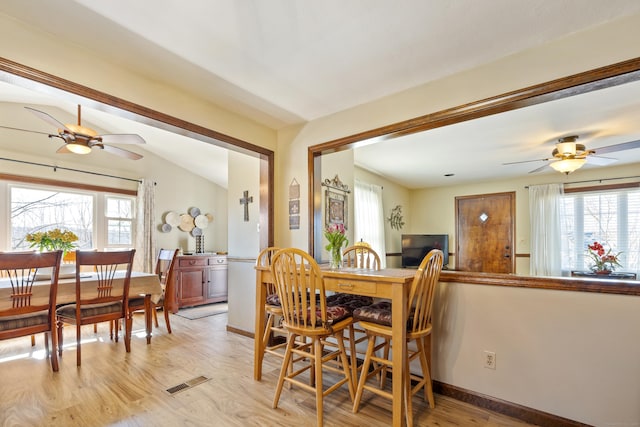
[187, 384]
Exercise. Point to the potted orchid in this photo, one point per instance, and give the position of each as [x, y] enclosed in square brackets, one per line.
[336, 235]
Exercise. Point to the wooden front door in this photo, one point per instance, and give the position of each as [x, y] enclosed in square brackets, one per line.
[485, 229]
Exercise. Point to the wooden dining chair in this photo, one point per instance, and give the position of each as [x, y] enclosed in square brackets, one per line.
[106, 301]
[26, 314]
[164, 269]
[376, 321]
[300, 286]
[273, 310]
[361, 256]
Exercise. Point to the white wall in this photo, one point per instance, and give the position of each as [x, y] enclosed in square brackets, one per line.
[244, 240]
[573, 354]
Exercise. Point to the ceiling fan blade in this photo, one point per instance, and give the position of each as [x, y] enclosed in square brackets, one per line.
[25, 130]
[526, 161]
[120, 152]
[49, 119]
[122, 138]
[539, 169]
[618, 147]
[600, 161]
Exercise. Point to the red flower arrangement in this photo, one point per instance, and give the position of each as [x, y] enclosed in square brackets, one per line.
[603, 261]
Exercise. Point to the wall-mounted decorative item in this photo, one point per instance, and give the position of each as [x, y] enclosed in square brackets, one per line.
[294, 205]
[395, 219]
[245, 200]
[294, 190]
[193, 222]
[294, 222]
[336, 202]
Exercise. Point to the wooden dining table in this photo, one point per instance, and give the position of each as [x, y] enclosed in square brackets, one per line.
[389, 283]
[147, 284]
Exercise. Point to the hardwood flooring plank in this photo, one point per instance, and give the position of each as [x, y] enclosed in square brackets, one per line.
[113, 388]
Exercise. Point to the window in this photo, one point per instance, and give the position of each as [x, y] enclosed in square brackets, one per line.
[38, 208]
[119, 219]
[369, 217]
[610, 217]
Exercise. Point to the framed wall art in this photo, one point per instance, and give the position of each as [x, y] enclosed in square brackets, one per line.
[336, 205]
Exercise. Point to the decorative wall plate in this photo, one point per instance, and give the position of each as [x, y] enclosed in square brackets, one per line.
[172, 218]
[186, 222]
[201, 221]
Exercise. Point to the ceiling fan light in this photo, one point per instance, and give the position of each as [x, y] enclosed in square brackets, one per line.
[567, 166]
[566, 148]
[79, 148]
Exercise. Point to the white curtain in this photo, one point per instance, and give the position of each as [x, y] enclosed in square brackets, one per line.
[369, 217]
[145, 241]
[546, 237]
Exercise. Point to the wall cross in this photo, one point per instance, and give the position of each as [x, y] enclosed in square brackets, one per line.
[246, 199]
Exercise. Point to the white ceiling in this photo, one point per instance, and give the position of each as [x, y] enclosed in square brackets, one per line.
[282, 62]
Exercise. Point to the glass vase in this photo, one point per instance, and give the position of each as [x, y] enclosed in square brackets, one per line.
[335, 257]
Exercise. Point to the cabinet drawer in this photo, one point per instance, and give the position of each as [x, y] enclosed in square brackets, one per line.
[193, 262]
[350, 286]
[218, 261]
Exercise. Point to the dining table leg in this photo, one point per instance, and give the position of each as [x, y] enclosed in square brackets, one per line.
[147, 316]
[258, 350]
[399, 337]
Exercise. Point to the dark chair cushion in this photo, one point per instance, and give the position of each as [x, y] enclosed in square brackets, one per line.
[379, 313]
[348, 301]
[69, 310]
[334, 314]
[376, 313]
[273, 299]
[137, 302]
[16, 322]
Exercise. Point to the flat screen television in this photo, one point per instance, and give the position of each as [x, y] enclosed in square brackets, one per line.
[416, 246]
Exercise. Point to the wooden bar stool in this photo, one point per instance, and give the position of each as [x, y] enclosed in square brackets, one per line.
[376, 321]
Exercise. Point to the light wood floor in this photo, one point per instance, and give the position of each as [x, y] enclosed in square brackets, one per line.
[118, 389]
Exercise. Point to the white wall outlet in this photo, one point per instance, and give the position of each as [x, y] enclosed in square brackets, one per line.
[490, 359]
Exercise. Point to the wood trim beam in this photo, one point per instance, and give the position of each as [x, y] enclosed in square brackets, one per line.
[504, 407]
[65, 184]
[576, 284]
[28, 76]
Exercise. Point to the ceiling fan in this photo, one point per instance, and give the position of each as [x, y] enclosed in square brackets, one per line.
[569, 156]
[82, 140]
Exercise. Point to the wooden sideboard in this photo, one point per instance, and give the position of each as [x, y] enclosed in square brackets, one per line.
[199, 279]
